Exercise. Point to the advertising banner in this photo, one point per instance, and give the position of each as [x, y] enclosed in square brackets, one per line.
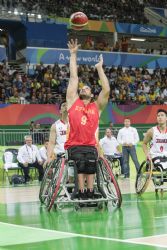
[141, 30]
[23, 114]
[61, 56]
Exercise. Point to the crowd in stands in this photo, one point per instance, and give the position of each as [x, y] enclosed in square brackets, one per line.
[122, 45]
[131, 11]
[49, 83]
[155, 3]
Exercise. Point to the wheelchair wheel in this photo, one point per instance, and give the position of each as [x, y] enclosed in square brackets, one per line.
[143, 177]
[55, 185]
[110, 184]
[46, 181]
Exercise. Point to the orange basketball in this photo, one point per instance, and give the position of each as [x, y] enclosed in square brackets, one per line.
[78, 20]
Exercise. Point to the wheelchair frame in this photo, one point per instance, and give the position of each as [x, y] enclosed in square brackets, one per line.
[148, 172]
[54, 187]
[115, 165]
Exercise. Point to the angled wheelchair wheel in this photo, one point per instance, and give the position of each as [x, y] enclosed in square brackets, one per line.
[143, 177]
[56, 183]
[46, 181]
[110, 185]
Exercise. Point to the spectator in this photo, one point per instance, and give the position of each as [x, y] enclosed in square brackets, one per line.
[116, 47]
[124, 44]
[38, 135]
[113, 129]
[28, 157]
[31, 127]
[110, 147]
[43, 151]
[128, 137]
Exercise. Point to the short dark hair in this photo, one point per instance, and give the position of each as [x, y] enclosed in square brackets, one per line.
[162, 110]
[61, 103]
[88, 84]
[127, 118]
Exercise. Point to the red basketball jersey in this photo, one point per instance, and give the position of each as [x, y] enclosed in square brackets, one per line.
[83, 124]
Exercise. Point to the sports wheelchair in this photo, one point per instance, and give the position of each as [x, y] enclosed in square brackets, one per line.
[155, 170]
[114, 162]
[54, 187]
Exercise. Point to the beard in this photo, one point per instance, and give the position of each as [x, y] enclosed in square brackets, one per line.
[84, 97]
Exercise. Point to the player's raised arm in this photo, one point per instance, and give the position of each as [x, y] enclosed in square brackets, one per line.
[102, 99]
[51, 145]
[72, 90]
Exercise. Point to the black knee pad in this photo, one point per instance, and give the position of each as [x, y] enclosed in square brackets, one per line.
[90, 166]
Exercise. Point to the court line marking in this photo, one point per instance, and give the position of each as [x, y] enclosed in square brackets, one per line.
[159, 217]
[137, 240]
[131, 241]
[139, 201]
[9, 235]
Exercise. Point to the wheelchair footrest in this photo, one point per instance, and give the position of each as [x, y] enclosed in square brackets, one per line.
[161, 187]
[89, 204]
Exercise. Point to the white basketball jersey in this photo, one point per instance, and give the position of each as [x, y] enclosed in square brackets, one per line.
[158, 143]
[61, 130]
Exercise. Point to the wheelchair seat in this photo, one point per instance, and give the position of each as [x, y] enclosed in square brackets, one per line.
[115, 163]
[160, 162]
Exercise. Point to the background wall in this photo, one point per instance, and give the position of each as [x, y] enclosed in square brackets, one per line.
[18, 114]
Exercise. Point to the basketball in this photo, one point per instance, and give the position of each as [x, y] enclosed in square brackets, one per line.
[78, 20]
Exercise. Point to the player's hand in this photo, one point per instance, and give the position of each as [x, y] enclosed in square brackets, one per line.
[25, 164]
[73, 46]
[100, 63]
[148, 158]
[49, 159]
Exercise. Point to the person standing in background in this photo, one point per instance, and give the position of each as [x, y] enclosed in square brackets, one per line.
[113, 129]
[31, 128]
[128, 137]
[43, 151]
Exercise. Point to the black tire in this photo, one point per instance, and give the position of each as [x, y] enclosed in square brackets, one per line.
[46, 181]
[143, 177]
[110, 184]
[55, 186]
[100, 206]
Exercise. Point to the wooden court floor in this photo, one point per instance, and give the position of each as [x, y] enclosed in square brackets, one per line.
[141, 223]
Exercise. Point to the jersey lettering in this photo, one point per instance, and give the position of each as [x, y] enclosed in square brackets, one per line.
[159, 143]
[62, 132]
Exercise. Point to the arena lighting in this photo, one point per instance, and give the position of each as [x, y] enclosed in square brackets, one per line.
[16, 12]
[138, 39]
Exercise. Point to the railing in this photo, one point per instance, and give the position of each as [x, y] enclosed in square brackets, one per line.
[141, 131]
[9, 137]
[13, 137]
